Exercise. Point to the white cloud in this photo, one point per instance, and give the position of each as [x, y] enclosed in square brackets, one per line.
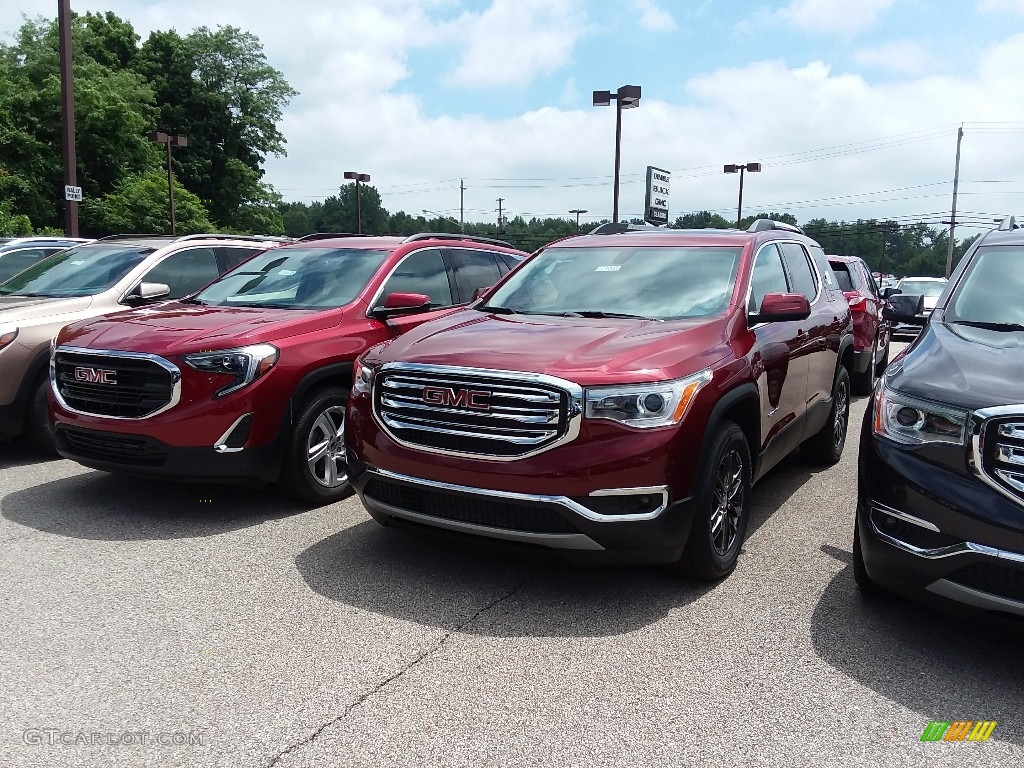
[834, 15]
[652, 16]
[514, 40]
[898, 57]
[998, 6]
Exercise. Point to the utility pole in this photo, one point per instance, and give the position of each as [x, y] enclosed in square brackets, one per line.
[67, 104]
[462, 206]
[952, 218]
[500, 217]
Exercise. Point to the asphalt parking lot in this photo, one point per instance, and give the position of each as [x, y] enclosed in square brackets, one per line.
[147, 624]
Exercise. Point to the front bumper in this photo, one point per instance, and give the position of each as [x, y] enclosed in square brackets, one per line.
[937, 534]
[634, 525]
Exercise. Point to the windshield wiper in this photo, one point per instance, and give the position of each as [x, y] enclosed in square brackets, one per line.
[191, 300]
[599, 313]
[496, 310]
[990, 326]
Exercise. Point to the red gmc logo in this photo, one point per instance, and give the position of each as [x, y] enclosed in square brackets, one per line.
[460, 398]
[96, 375]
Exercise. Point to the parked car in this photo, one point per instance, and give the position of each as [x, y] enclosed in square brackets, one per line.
[616, 396]
[89, 280]
[928, 287]
[20, 253]
[870, 328]
[247, 380]
[940, 501]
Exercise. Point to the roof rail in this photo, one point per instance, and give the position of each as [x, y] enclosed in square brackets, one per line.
[621, 227]
[224, 236]
[763, 225]
[1007, 224]
[326, 236]
[455, 236]
[134, 235]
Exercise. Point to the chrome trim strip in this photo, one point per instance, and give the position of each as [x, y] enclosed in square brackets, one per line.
[1014, 479]
[220, 446]
[554, 540]
[523, 417]
[449, 428]
[975, 597]
[168, 366]
[900, 515]
[573, 391]
[565, 501]
[1009, 453]
[963, 548]
[1012, 431]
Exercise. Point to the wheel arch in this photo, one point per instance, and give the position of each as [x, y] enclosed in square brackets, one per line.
[741, 405]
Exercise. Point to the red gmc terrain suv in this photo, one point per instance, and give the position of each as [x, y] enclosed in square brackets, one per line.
[247, 379]
[617, 395]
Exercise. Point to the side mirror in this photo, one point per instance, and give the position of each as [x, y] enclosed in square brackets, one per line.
[144, 292]
[890, 291]
[904, 309]
[776, 307]
[479, 293]
[401, 304]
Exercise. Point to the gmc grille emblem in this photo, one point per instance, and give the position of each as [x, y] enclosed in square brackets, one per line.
[96, 375]
[460, 398]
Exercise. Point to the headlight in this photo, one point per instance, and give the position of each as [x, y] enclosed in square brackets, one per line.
[362, 378]
[645, 405]
[911, 421]
[246, 364]
[8, 334]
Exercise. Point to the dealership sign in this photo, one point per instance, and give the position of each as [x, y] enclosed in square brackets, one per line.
[656, 206]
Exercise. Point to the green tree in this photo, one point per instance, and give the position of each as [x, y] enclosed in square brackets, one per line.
[139, 204]
[338, 212]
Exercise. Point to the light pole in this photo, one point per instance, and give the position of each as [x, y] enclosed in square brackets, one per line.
[626, 97]
[158, 137]
[67, 106]
[578, 211]
[753, 168]
[358, 177]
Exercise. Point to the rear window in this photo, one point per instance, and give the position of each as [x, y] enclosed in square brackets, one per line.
[845, 277]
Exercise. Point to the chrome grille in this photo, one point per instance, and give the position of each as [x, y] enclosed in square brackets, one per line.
[133, 385]
[1003, 455]
[499, 415]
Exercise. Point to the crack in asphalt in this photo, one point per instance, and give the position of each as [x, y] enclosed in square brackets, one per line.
[388, 680]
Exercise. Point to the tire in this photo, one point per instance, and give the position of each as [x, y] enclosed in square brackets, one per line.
[864, 383]
[864, 583]
[722, 508]
[826, 447]
[319, 431]
[37, 430]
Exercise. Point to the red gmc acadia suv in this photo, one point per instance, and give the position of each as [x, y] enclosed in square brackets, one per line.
[247, 379]
[617, 395]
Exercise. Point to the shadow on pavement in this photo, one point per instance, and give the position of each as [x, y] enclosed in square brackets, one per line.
[434, 581]
[105, 507]
[17, 454]
[938, 666]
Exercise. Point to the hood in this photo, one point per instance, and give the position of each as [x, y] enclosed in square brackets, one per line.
[967, 367]
[586, 351]
[174, 327]
[25, 309]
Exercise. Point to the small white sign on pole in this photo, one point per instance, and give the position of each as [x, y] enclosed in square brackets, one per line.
[72, 193]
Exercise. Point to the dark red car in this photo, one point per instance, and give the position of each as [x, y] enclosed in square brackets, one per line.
[248, 379]
[617, 396]
[871, 331]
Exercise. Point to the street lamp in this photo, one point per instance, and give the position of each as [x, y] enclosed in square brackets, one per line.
[158, 137]
[753, 168]
[578, 211]
[358, 177]
[626, 97]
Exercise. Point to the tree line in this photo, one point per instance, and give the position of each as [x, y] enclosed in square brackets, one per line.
[216, 88]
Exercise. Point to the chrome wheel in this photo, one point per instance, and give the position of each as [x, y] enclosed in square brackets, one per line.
[325, 448]
[728, 499]
[842, 413]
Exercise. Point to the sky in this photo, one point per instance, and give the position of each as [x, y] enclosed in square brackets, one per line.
[852, 109]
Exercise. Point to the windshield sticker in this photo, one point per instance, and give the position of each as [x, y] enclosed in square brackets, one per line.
[286, 272]
[77, 263]
[609, 268]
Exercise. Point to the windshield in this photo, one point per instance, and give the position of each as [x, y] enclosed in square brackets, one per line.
[296, 278]
[928, 288]
[992, 288]
[82, 271]
[655, 282]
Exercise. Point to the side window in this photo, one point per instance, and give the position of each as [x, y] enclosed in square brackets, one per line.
[232, 256]
[800, 270]
[185, 271]
[507, 262]
[870, 280]
[422, 272]
[474, 269]
[769, 276]
[819, 258]
[843, 274]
